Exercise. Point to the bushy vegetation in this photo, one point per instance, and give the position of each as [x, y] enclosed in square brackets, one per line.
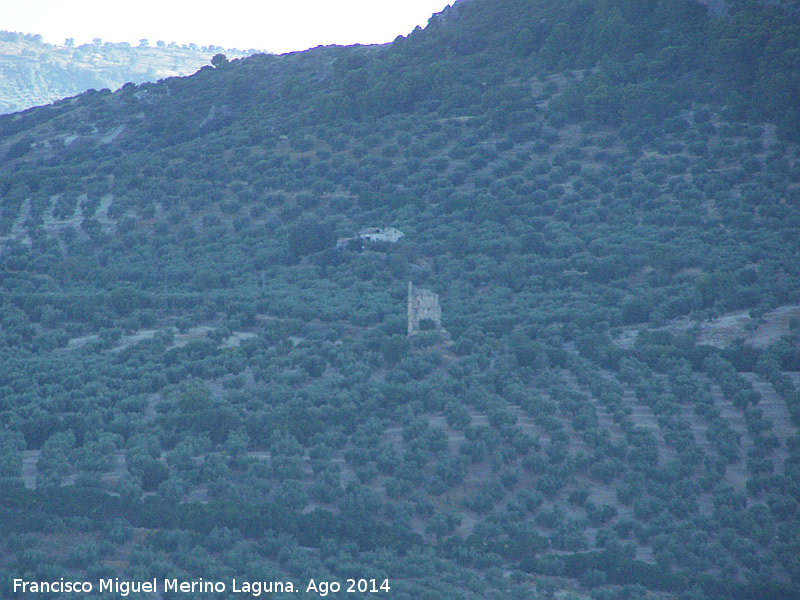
[199, 382]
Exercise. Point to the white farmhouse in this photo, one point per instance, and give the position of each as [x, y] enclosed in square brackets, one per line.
[387, 234]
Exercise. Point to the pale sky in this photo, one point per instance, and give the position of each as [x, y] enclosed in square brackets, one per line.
[274, 25]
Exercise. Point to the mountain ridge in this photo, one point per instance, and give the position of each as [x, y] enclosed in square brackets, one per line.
[608, 218]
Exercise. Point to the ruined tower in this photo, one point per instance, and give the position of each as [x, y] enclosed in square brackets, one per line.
[423, 306]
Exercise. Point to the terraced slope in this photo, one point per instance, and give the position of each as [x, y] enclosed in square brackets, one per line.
[197, 381]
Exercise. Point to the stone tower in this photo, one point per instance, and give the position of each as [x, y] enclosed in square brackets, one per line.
[422, 304]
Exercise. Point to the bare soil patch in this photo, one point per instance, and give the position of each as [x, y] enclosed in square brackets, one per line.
[29, 471]
[723, 331]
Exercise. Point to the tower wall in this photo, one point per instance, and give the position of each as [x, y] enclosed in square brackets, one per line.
[422, 304]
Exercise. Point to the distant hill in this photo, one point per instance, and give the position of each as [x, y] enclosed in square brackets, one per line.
[604, 196]
[34, 73]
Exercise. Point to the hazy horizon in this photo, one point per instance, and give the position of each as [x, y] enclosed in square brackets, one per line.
[272, 26]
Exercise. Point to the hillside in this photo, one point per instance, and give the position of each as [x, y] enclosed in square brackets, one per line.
[199, 382]
[33, 73]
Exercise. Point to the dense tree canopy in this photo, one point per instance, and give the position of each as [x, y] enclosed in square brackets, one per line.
[206, 373]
